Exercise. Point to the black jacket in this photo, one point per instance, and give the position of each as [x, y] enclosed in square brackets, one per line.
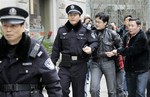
[122, 31]
[137, 53]
[18, 67]
[108, 40]
[71, 39]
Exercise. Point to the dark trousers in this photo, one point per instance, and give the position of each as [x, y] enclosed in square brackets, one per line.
[74, 75]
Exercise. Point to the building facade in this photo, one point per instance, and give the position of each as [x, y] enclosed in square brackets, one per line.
[46, 16]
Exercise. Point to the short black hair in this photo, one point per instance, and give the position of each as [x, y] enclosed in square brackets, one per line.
[127, 16]
[103, 16]
[137, 20]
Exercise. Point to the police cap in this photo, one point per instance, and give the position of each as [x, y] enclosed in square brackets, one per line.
[74, 8]
[13, 15]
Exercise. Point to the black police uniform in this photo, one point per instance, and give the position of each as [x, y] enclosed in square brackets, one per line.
[25, 68]
[69, 42]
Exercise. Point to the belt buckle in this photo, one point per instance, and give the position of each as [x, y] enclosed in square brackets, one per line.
[74, 58]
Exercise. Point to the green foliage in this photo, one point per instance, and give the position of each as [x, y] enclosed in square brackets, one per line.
[48, 45]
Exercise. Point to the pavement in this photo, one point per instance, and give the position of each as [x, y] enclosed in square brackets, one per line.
[103, 89]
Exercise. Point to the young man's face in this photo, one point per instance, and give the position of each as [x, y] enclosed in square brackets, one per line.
[12, 32]
[134, 28]
[99, 24]
[74, 18]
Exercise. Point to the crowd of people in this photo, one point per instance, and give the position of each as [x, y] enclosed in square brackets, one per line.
[132, 76]
[88, 49]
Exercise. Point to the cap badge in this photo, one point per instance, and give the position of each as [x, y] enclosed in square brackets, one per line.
[72, 6]
[12, 11]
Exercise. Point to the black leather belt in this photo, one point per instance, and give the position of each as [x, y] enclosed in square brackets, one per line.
[66, 57]
[18, 87]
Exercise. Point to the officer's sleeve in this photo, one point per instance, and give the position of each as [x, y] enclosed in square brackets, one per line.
[92, 40]
[56, 49]
[49, 76]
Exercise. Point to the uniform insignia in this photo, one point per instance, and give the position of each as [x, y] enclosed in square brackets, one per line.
[49, 64]
[72, 6]
[93, 35]
[12, 11]
[81, 34]
[40, 53]
[64, 33]
[27, 64]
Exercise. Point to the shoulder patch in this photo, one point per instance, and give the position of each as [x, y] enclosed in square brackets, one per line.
[49, 64]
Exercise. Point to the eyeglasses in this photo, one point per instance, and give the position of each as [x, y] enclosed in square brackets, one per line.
[98, 22]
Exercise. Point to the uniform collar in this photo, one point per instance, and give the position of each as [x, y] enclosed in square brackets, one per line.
[69, 26]
[22, 48]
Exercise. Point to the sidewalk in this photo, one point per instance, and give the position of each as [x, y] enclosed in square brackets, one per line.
[103, 89]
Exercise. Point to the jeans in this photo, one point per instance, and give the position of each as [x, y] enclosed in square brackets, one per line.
[119, 83]
[97, 70]
[136, 84]
[148, 85]
[86, 89]
[125, 86]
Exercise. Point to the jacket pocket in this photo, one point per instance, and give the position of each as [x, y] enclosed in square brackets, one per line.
[64, 39]
[109, 46]
[26, 70]
[81, 40]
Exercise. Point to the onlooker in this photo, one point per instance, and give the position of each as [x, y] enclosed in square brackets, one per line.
[103, 64]
[120, 76]
[75, 43]
[25, 67]
[122, 31]
[88, 23]
[148, 83]
[114, 26]
[137, 59]
[119, 63]
[124, 28]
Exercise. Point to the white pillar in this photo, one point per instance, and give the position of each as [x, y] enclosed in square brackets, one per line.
[53, 19]
[148, 14]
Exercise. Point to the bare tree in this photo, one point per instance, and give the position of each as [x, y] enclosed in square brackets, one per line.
[117, 9]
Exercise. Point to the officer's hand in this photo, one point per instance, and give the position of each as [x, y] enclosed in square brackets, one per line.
[87, 50]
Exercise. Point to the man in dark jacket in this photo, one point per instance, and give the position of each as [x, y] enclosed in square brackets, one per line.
[25, 67]
[137, 59]
[103, 64]
[148, 83]
[75, 43]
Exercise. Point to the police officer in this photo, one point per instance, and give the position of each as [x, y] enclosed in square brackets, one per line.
[25, 67]
[75, 43]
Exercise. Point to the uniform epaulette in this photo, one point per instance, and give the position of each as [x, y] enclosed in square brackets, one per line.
[35, 50]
